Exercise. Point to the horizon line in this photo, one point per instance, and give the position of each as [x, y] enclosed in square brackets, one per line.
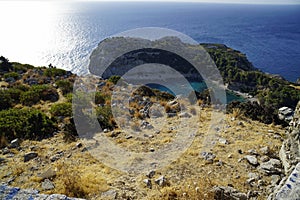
[195, 1]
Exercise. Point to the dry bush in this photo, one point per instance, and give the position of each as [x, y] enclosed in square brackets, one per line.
[237, 113]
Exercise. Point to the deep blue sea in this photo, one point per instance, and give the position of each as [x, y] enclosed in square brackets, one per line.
[268, 34]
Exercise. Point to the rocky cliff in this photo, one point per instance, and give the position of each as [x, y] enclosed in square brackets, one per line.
[289, 187]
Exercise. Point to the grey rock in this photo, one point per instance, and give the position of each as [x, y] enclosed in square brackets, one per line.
[275, 179]
[48, 174]
[184, 115]
[110, 194]
[161, 181]
[255, 176]
[15, 143]
[148, 183]
[223, 141]
[265, 150]
[150, 174]
[252, 160]
[228, 193]
[271, 167]
[2, 160]
[208, 156]
[252, 152]
[264, 158]
[30, 156]
[47, 185]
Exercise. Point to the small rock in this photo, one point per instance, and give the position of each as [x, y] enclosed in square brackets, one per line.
[261, 183]
[161, 181]
[79, 145]
[150, 174]
[5, 151]
[240, 123]
[15, 143]
[253, 175]
[157, 132]
[208, 156]
[48, 174]
[152, 149]
[252, 152]
[128, 137]
[30, 156]
[110, 195]
[47, 185]
[265, 150]
[2, 160]
[270, 131]
[252, 160]
[240, 151]
[105, 130]
[264, 158]
[184, 115]
[223, 141]
[148, 183]
[275, 179]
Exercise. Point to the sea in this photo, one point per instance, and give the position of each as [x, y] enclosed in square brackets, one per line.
[65, 33]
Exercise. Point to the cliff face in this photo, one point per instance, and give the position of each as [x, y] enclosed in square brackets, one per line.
[289, 187]
[290, 150]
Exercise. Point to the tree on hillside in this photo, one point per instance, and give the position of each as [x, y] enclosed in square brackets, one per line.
[5, 65]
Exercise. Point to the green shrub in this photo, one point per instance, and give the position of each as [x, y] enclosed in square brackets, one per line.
[25, 124]
[114, 79]
[14, 75]
[61, 109]
[37, 93]
[29, 98]
[65, 86]
[53, 72]
[100, 98]
[105, 117]
[6, 101]
[15, 94]
[21, 67]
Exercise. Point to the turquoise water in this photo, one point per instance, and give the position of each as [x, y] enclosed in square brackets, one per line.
[199, 87]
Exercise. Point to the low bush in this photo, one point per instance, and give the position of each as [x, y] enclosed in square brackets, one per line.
[14, 75]
[25, 124]
[65, 86]
[6, 101]
[61, 109]
[105, 117]
[53, 72]
[37, 93]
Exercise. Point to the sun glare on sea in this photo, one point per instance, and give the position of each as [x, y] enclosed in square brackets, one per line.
[27, 27]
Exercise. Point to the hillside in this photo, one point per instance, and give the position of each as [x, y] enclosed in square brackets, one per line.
[40, 147]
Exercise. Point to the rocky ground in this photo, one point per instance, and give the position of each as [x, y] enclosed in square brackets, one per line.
[241, 158]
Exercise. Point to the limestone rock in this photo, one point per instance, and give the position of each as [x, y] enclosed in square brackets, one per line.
[252, 160]
[47, 185]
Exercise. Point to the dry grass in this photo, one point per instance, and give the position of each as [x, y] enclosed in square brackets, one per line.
[81, 175]
[237, 113]
[199, 189]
